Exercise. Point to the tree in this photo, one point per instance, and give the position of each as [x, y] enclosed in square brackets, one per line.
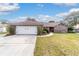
[3, 21]
[72, 20]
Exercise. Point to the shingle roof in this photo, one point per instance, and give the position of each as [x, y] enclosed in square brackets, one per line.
[28, 23]
[52, 24]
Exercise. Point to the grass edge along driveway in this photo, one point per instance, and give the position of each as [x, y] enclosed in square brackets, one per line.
[66, 44]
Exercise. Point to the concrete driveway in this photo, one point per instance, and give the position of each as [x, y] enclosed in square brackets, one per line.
[17, 45]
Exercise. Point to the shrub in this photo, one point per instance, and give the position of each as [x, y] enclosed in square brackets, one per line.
[10, 30]
[40, 29]
[45, 30]
[71, 30]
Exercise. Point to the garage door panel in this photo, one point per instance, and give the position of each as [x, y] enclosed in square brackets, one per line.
[26, 29]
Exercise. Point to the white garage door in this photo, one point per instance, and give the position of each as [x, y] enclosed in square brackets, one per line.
[26, 29]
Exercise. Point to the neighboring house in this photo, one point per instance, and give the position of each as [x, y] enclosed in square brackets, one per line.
[26, 27]
[3, 27]
[76, 28]
[55, 27]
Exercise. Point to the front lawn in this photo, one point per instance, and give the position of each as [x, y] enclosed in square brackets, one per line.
[58, 45]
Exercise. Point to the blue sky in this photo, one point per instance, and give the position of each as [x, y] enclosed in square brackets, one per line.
[48, 11]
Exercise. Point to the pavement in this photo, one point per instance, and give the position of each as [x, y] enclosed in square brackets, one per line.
[50, 34]
[17, 45]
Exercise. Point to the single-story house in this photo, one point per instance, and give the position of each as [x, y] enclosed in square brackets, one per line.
[26, 27]
[31, 26]
[76, 28]
[55, 27]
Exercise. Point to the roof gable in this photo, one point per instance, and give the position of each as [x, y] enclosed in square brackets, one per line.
[28, 23]
[53, 24]
[50, 24]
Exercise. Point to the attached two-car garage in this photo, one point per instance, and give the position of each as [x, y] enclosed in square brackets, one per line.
[29, 26]
[26, 30]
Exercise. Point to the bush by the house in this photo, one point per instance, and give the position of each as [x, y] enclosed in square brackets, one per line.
[45, 31]
[10, 30]
[40, 29]
[71, 30]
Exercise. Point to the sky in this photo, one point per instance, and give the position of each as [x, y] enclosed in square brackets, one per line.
[41, 11]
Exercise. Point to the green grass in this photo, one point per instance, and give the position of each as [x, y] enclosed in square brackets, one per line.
[58, 45]
[3, 32]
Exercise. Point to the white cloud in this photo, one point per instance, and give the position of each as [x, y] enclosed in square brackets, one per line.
[46, 18]
[41, 18]
[59, 16]
[66, 4]
[71, 12]
[18, 19]
[6, 7]
[74, 10]
[23, 17]
[62, 14]
[3, 13]
[40, 5]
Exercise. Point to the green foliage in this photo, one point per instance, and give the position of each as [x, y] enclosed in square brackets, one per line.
[45, 31]
[71, 30]
[40, 30]
[71, 21]
[10, 30]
